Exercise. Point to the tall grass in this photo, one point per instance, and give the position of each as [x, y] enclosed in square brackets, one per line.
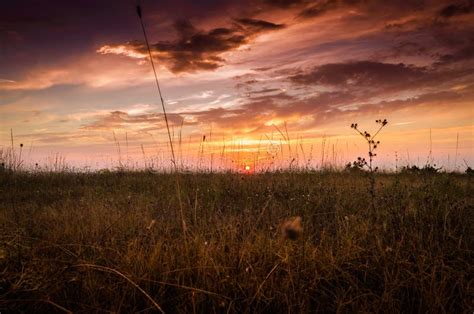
[102, 242]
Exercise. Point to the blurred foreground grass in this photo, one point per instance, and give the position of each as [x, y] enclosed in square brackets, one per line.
[113, 242]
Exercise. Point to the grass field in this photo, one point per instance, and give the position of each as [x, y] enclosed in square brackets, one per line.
[114, 242]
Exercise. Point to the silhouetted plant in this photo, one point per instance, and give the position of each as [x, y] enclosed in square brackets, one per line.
[368, 164]
[427, 169]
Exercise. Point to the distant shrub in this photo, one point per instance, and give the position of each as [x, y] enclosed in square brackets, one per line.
[353, 167]
[427, 169]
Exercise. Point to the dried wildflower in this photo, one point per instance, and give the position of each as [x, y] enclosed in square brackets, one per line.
[291, 228]
[362, 163]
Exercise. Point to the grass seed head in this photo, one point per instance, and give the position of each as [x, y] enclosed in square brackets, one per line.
[292, 228]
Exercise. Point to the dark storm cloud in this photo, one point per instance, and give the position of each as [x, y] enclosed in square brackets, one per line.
[465, 53]
[409, 48]
[246, 84]
[365, 73]
[285, 3]
[439, 42]
[366, 80]
[305, 8]
[372, 9]
[197, 50]
[318, 9]
[264, 91]
[459, 8]
[259, 25]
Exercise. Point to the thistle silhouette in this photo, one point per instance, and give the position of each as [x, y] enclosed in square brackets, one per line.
[361, 162]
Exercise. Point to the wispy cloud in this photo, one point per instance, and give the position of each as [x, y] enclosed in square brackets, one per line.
[6, 81]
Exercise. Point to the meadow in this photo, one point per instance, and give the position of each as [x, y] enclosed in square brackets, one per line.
[123, 242]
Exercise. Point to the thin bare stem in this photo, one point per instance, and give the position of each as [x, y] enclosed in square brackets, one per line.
[116, 272]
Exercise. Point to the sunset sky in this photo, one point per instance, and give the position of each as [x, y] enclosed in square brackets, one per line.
[74, 74]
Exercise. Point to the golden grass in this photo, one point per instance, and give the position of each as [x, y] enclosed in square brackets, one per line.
[112, 242]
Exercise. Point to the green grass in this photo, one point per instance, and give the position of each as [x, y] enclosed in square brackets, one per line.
[81, 242]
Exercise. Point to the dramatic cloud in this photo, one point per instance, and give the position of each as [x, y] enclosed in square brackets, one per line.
[256, 26]
[285, 3]
[362, 73]
[197, 50]
[464, 53]
[459, 8]
[376, 79]
[318, 9]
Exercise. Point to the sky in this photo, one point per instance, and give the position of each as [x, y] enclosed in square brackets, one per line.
[249, 82]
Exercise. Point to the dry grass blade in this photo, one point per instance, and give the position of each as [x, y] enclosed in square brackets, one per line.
[188, 288]
[62, 308]
[263, 282]
[114, 271]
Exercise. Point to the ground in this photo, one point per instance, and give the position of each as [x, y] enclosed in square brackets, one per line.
[125, 242]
